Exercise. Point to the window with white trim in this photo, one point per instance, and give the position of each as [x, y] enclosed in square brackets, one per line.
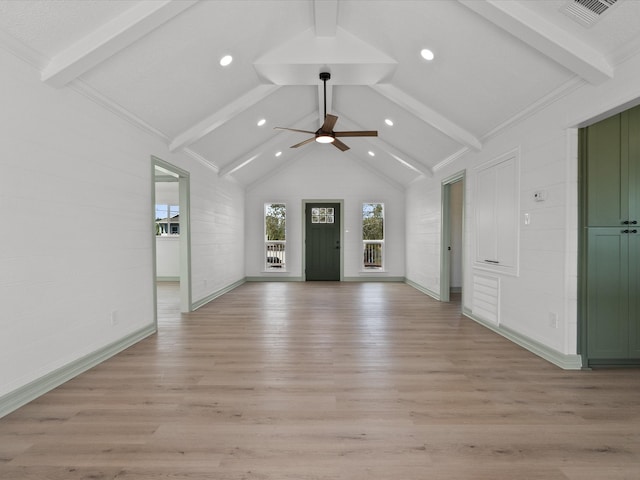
[167, 219]
[373, 236]
[275, 233]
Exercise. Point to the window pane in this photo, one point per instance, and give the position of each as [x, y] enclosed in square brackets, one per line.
[167, 219]
[275, 221]
[161, 211]
[373, 221]
[275, 216]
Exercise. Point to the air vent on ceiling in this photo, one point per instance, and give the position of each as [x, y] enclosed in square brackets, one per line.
[587, 12]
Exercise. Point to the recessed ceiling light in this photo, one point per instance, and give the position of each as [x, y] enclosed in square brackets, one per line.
[371, 154]
[278, 154]
[427, 54]
[388, 121]
[262, 121]
[226, 60]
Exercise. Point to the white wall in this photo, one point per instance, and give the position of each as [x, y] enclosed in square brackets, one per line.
[168, 257]
[323, 172]
[547, 281]
[75, 189]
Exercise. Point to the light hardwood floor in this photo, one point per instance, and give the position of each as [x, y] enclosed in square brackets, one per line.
[327, 381]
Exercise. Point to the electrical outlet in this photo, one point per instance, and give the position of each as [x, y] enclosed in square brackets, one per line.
[114, 318]
[553, 320]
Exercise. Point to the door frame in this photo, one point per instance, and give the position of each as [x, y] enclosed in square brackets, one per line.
[184, 194]
[445, 237]
[304, 234]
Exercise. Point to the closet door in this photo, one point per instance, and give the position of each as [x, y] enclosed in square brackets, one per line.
[607, 166]
[608, 293]
[634, 294]
[634, 229]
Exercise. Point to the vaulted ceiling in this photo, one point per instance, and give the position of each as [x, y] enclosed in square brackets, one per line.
[156, 63]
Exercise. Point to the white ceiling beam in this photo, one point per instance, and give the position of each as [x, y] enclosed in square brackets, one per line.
[269, 146]
[326, 17]
[428, 115]
[396, 154]
[546, 37]
[222, 116]
[350, 60]
[110, 38]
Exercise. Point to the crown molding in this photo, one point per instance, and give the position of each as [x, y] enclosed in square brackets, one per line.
[562, 91]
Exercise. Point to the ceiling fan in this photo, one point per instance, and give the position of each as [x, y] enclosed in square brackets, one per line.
[325, 133]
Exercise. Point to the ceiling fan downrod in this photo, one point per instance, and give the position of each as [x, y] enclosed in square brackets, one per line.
[324, 76]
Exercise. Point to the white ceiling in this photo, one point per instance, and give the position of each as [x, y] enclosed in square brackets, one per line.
[156, 63]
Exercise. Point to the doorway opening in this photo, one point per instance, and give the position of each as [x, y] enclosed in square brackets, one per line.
[323, 239]
[452, 251]
[171, 233]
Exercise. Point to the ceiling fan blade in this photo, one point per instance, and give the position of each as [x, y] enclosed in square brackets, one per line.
[293, 130]
[363, 133]
[329, 123]
[309, 140]
[338, 144]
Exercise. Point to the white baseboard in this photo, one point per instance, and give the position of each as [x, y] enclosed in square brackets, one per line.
[564, 361]
[373, 278]
[424, 290]
[214, 295]
[25, 394]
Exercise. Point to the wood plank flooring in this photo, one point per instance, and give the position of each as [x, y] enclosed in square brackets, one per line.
[329, 381]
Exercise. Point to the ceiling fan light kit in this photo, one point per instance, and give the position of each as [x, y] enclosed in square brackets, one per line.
[325, 139]
[325, 133]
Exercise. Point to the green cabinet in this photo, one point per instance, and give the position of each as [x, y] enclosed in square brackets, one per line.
[610, 157]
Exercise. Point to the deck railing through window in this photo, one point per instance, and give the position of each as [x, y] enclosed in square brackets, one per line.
[275, 255]
[373, 253]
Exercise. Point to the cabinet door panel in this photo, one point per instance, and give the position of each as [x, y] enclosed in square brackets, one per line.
[506, 213]
[634, 164]
[608, 197]
[485, 216]
[496, 212]
[634, 295]
[607, 293]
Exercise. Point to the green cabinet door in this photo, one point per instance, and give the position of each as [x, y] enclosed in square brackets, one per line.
[607, 165]
[633, 165]
[608, 293]
[612, 290]
[634, 293]
[322, 241]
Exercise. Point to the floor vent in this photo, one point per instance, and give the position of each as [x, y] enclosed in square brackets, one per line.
[486, 298]
[587, 12]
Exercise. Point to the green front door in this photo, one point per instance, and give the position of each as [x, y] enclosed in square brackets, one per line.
[322, 246]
